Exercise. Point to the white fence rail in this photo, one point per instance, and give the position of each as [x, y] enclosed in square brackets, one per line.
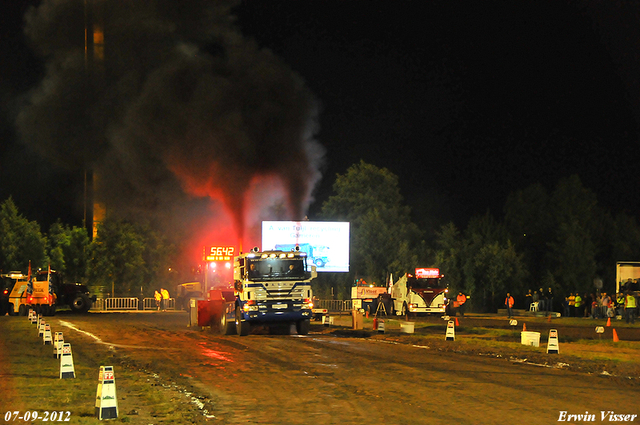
[334, 305]
[130, 303]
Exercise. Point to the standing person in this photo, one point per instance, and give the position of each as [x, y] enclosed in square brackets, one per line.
[165, 298]
[586, 305]
[630, 308]
[594, 306]
[620, 300]
[542, 304]
[549, 303]
[158, 299]
[536, 299]
[577, 303]
[569, 303]
[461, 299]
[509, 303]
[606, 304]
[528, 300]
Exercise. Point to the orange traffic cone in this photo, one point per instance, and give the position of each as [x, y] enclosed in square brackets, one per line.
[457, 324]
[548, 318]
[608, 321]
[615, 336]
[524, 327]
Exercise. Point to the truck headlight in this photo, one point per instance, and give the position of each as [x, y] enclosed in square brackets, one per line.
[250, 306]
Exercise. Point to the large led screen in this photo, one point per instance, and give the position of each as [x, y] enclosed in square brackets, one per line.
[325, 242]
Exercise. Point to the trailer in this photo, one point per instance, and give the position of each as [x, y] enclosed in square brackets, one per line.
[627, 276]
[367, 296]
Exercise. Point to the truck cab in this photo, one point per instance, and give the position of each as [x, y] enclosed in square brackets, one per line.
[271, 288]
[422, 292]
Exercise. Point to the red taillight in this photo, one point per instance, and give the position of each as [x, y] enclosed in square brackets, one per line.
[5, 292]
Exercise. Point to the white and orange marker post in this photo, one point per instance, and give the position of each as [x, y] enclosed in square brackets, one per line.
[451, 332]
[58, 340]
[46, 337]
[66, 362]
[30, 317]
[41, 329]
[106, 399]
[552, 344]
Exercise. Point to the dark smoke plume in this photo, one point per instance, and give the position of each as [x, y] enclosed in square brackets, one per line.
[174, 108]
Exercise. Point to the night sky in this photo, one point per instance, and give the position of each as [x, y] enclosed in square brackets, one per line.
[464, 101]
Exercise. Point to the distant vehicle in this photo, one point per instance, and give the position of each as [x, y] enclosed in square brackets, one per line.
[424, 292]
[367, 296]
[6, 285]
[187, 291]
[627, 276]
[313, 253]
[44, 292]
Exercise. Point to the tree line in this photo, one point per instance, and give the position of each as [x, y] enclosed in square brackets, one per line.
[560, 239]
[125, 259]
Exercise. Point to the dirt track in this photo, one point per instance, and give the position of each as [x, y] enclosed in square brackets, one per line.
[337, 376]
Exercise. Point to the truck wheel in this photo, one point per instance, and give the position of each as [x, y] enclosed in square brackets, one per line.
[12, 312]
[242, 326]
[318, 262]
[22, 310]
[224, 326]
[80, 304]
[302, 326]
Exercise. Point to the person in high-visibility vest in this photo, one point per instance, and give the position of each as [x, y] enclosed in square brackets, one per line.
[461, 299]
[509, 303]
[630, 308]
[158, 299]
[165, 298]
[577, 305]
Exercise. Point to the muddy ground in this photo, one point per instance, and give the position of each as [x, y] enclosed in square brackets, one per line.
[340, 375]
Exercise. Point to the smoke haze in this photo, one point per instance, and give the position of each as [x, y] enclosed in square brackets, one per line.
[176, 112]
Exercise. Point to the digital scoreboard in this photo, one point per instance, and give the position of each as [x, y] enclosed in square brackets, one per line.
[219, 253]
[427, 272]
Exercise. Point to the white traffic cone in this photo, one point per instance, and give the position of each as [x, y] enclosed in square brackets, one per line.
[552, 344]
[451, 333]
[66, 362]
[106, 399]
[58, 340]
[46, 337]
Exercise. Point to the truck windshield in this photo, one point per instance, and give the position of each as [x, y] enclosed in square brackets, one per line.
[276, 268]
[430, 282]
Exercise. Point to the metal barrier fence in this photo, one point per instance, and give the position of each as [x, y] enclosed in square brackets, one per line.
[121, 304]
[129, 303]
[334, 305]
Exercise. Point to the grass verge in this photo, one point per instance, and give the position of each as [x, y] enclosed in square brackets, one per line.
[30, 381]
